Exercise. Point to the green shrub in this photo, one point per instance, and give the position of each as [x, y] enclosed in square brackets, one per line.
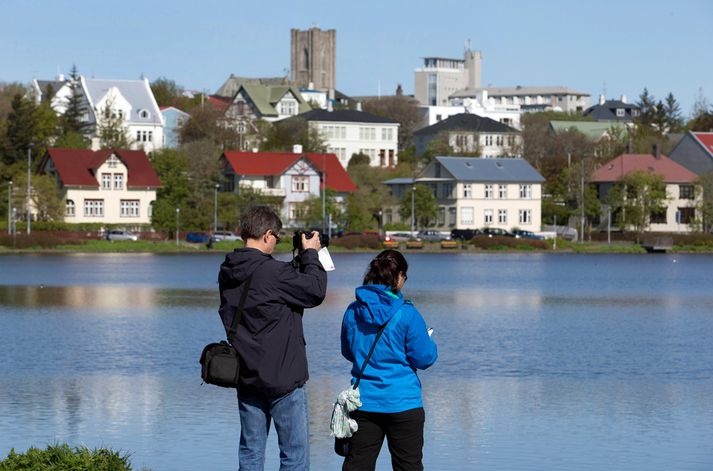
[508, 243]
[42, 240]
[63, 457]
[367, 241]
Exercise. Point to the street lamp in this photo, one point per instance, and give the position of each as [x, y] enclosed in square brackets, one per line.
[9, 208]
[215, 209]
[413, 220]
[29, 199]
[178, 212]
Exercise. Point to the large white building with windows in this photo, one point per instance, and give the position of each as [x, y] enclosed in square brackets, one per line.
[474, 193]
[105, 186]
[349, 132]
[130, 100]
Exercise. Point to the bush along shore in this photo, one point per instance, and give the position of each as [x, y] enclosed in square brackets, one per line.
[60, 457]
[65, 241]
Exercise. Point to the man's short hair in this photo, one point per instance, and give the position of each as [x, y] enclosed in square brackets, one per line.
[257, 220]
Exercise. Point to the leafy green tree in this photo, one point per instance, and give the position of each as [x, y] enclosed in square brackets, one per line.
[72, 140]
[165, 91]
[208, 123]
[171, 166]
[371, 194]
[45, 195]
[282, 135]
[405, 110]
[20, 131]
[672, 110]
[704, 210]
[701, 123]
[425, 206]
[313, 210]
[110, 128]
[635, 197]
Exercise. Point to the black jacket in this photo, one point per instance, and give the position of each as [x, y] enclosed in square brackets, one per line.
[270, 338]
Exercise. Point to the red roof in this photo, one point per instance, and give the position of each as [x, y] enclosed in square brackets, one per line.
[627, 163]
[77, 167]
[706, 139]
[277, 163]
[219, 102]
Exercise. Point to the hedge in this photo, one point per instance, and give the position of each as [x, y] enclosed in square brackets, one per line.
[62, 457]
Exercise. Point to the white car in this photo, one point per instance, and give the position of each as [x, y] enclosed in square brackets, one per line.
[116, 234]
[224, 235]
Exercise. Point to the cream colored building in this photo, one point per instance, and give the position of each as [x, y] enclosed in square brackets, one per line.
[105, 186]
[474, 193]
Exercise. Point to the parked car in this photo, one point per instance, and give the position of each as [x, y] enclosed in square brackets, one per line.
[400, 237]
[224, 235]
[465, 234]
[197, 237]
[496, 232]
[116, 234]
[522, 234]
[433, 236]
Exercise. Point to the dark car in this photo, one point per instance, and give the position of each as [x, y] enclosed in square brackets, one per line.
[521, 234]
[432, 236]
[197, 237]
[465, 234]
[496, 232]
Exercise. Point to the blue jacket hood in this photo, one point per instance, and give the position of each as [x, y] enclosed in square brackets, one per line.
[376, 304]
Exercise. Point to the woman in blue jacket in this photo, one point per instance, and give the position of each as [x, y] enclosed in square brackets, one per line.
[389, 388]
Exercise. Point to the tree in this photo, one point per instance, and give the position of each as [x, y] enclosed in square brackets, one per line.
[171, 166]
[704, 210]
[647, 103]
[21, 123]
[110, 128]
[425, 206]
[282, 135]
[209, 123]
[165, 91]
[701, 123]
[635, 197]
[701, 106]
[73, 119]
[403, 109]
[672, 111]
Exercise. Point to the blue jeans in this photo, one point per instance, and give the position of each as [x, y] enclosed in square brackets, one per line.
[289, 412]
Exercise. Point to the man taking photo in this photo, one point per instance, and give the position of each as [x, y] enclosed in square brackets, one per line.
[270, 337]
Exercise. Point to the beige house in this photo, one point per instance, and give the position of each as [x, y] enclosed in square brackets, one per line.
[104, 186]
[474, 193]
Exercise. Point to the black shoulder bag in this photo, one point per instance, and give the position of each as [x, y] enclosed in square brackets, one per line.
[220, 362]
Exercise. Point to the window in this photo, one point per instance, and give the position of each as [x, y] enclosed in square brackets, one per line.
[466, 216]
[502, 216]
[525, 192]
[488, 191]
[150, 136]
[502, 192]
[129, 208]
[151, 209]
[446, 190]
[685, 192]
[488, 140]
[451, 216]
[297, 211]
[112, 161]
[488, 216]
[118, 181]
[620, 112]
[69, 209]
[144, 114]
[635, 113]
[300, 183]
[658, 217]
[688, 215]
[441, 216]
[498, 140]
[467, 191]
[106, 181]
[525, 216]
[288, 108]
[94, 208]
[367, 134]
[387, 134]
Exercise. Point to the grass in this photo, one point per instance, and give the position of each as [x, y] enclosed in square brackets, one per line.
[61, 457]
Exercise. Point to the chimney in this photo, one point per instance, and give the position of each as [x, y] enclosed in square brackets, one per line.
[330, 106]
[601, 99]
[297, 149]
[358, 106]
[60, 78]
[623, 98]
[399, 90]
[310, 85]
[656, 152]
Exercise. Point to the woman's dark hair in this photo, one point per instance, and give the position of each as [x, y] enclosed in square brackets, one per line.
[385, 269]
[257, 220]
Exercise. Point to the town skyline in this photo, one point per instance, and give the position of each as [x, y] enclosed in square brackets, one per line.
[613, 49]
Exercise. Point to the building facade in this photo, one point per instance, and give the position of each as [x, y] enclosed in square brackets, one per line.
[105, 186]
[313, 58]
[475, 193]
[530, 99]
[613, 110]
[695, 152]
[173, 119]
[440, 77]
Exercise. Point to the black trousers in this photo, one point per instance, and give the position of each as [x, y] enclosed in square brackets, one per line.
[404, 434]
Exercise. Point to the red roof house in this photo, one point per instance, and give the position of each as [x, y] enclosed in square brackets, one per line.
[106, 186]
[621, 166]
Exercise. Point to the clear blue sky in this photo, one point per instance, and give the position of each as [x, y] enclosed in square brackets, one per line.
[618, 46]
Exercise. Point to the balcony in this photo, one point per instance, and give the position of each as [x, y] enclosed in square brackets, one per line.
[273, 191]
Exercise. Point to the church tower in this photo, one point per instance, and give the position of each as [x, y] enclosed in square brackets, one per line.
[313, 58]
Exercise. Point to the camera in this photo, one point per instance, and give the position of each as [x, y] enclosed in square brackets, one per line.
[297, 239]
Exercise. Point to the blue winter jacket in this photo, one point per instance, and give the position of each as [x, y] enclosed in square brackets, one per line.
[389, 382]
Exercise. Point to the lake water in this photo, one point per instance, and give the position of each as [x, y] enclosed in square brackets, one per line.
[546, 361]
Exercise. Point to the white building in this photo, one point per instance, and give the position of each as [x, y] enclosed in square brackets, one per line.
[131, 100]
[440, 77]
[529, 99]
[349, 132]
[104, 186]
[474, 193]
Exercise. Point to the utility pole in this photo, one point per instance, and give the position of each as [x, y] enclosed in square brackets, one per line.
[413, 220]
[178, 212]
[9, 207]
[215, 209]
[581, 185]
[29, 197]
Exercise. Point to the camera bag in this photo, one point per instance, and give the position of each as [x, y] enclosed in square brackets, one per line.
[220, 362]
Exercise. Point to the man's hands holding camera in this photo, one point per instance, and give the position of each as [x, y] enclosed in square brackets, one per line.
[312, 242]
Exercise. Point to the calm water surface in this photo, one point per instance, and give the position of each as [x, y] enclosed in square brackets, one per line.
[547, 362]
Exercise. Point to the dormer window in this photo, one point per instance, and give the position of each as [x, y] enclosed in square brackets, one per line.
[635, 113]
[144, 114]
[620, 112]
[112, 161]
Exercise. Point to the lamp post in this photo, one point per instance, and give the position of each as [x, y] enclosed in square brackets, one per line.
[178, 212]
[9, 208]
[29, 198]
[215, 209]
[413, 220]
